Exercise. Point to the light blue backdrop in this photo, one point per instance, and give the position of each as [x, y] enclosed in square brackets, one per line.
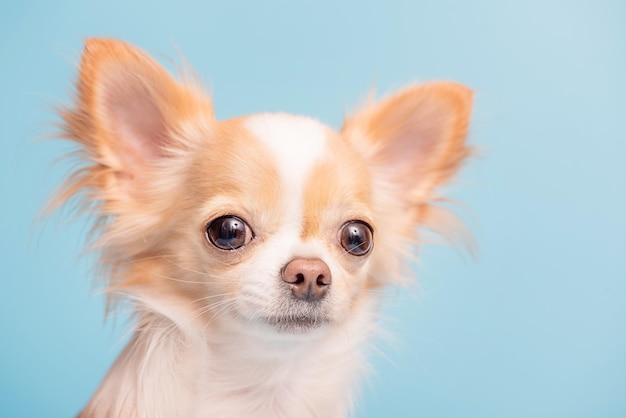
[535, 327]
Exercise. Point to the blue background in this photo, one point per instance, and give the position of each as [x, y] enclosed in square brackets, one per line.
[534, 327]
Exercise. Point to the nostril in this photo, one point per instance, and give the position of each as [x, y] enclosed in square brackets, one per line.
[299, 278]
[321, 280]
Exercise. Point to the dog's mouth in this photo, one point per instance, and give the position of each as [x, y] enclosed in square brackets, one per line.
[297, 324]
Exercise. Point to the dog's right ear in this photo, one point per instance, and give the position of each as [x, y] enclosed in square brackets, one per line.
[127, 115]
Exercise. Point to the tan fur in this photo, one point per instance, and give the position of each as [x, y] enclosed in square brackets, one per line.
[323, 193]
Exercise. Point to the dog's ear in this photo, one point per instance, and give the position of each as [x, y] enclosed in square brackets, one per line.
[127, 115]
[414, 140]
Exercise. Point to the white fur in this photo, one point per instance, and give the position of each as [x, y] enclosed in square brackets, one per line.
[297, 142]
[229, 371]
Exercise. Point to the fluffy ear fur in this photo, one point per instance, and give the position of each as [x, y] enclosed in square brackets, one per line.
[135, 126]
[127, 114]
[414, 140]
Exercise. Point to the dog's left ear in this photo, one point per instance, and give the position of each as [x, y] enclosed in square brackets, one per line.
[413, 141]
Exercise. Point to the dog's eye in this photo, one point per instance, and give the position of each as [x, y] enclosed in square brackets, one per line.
[357, 238]
[228, 232]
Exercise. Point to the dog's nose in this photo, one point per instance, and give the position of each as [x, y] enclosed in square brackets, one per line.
[309, 279]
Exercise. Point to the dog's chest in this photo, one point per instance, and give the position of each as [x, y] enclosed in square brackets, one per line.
[309, 382]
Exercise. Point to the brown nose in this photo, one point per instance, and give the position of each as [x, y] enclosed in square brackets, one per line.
[309, 279]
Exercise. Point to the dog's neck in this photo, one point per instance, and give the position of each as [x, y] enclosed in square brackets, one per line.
[226, 369]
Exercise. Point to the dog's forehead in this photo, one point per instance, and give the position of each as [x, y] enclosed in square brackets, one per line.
[297, 142]
[298, 145]
[318, 172]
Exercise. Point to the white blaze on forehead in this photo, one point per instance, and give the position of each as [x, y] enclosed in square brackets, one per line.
[298, 143]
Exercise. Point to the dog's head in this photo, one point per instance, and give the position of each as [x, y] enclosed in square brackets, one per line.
[271, 219]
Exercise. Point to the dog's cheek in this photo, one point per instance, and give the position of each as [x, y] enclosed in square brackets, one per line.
[348, 284]
[256, 287]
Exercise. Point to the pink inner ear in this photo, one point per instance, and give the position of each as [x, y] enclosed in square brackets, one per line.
[136, 123]
[416, 136]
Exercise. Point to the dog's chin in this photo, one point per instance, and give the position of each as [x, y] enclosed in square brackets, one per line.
[279, 323]
[297, 324]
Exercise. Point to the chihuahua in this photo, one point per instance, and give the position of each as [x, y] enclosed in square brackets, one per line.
[251, 250]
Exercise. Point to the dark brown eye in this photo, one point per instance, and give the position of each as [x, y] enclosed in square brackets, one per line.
[357, 238]
[228, 232]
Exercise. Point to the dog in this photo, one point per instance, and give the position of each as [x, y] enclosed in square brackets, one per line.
[251, 250]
